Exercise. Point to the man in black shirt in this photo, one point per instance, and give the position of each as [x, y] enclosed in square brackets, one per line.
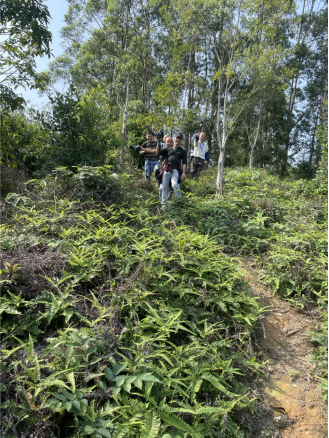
[148, 149]
[175, 159]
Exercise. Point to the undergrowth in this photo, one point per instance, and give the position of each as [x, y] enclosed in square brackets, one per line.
[140, 324]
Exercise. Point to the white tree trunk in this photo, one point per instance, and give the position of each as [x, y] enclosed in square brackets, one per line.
[255, 141]
[222, 144]
[124, 126]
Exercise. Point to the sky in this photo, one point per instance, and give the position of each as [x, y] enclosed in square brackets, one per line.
[57, 10]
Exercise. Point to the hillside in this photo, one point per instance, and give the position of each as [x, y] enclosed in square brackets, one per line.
[119, 319]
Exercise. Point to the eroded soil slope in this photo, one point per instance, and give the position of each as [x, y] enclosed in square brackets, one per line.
[290, 386]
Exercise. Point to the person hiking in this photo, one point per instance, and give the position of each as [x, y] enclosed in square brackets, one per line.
[158, 167]
[174, 167]
[148, 149]
[200, 155]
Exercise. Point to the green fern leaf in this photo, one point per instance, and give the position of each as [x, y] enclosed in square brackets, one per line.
[120, 431]
[178, 422]
[152, 424]
[195, 388]
[216, 383]
[71, 379]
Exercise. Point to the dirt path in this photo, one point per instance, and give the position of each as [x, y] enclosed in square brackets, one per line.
[289, 387]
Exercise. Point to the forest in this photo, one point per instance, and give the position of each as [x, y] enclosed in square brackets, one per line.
[119, 319]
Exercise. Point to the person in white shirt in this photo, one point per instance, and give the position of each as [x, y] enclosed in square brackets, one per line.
[200, 155]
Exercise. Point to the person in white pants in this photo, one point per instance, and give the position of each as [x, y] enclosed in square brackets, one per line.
[175, 158]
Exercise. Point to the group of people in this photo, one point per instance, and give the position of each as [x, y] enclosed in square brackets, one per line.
[168, 161]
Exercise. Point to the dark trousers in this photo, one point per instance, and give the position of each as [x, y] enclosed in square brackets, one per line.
[196, 165]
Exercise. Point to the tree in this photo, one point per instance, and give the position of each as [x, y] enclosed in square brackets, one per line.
[23, 36]
[308, 64]
[77, 128]
[242, 35]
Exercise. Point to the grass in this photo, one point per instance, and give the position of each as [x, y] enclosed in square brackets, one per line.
[119, 321]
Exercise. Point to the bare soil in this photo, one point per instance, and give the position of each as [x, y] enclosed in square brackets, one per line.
[289, 386]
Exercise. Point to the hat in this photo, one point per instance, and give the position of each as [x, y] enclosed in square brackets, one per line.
[179, 135]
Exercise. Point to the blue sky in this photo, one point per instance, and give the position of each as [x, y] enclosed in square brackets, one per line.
[57, 10]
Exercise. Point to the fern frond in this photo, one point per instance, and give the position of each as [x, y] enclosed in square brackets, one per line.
[178, 422]
[216, 383]
[120, 431]
[152, 424]
[195, 388]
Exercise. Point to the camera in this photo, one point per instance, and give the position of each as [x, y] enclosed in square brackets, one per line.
[135, 148]
[159, 133]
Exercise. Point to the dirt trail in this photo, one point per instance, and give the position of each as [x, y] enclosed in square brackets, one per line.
[289, 387]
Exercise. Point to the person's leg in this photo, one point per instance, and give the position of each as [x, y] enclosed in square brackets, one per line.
[193, 167]
[147, 170]
[160, 192]
[165, 186]
[174, 183]
[153, 164]
[199, 168]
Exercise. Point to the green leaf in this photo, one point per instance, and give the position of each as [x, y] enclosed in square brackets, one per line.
[95, 360]
[120, 431]
[131, 379]
[68, 395]
[141, 376]
[138, 383]
[76, 404]
[93, 376]
[67, 405]
[108, 374]
[115, 390]
[150, 379]
[120, 382]
[104, 432]
[70, 377]
[127, 387]
[89, 429]
[79, 394]
[49, 402]
[118, 367]
[76, 338]
[152, 425]
[215, 382]
[178, 422]
[102, 384]
[59, 396]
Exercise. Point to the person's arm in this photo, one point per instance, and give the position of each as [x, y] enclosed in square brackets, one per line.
[148, 150]
[157, 151]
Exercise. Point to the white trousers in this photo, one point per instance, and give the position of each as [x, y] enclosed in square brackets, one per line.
[165, 185]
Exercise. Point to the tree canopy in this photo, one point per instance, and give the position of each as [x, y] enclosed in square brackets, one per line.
[23, 37]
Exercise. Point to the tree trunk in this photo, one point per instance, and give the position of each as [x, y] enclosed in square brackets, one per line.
[222, 144]
[255, 141]
[211, 128]
[123, 135]
[144, 77]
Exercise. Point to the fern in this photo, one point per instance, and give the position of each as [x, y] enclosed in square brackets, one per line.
[120, 431]
[178, 423]
[152, 424]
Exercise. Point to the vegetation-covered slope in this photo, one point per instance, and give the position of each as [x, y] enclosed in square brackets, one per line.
[121, 321]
